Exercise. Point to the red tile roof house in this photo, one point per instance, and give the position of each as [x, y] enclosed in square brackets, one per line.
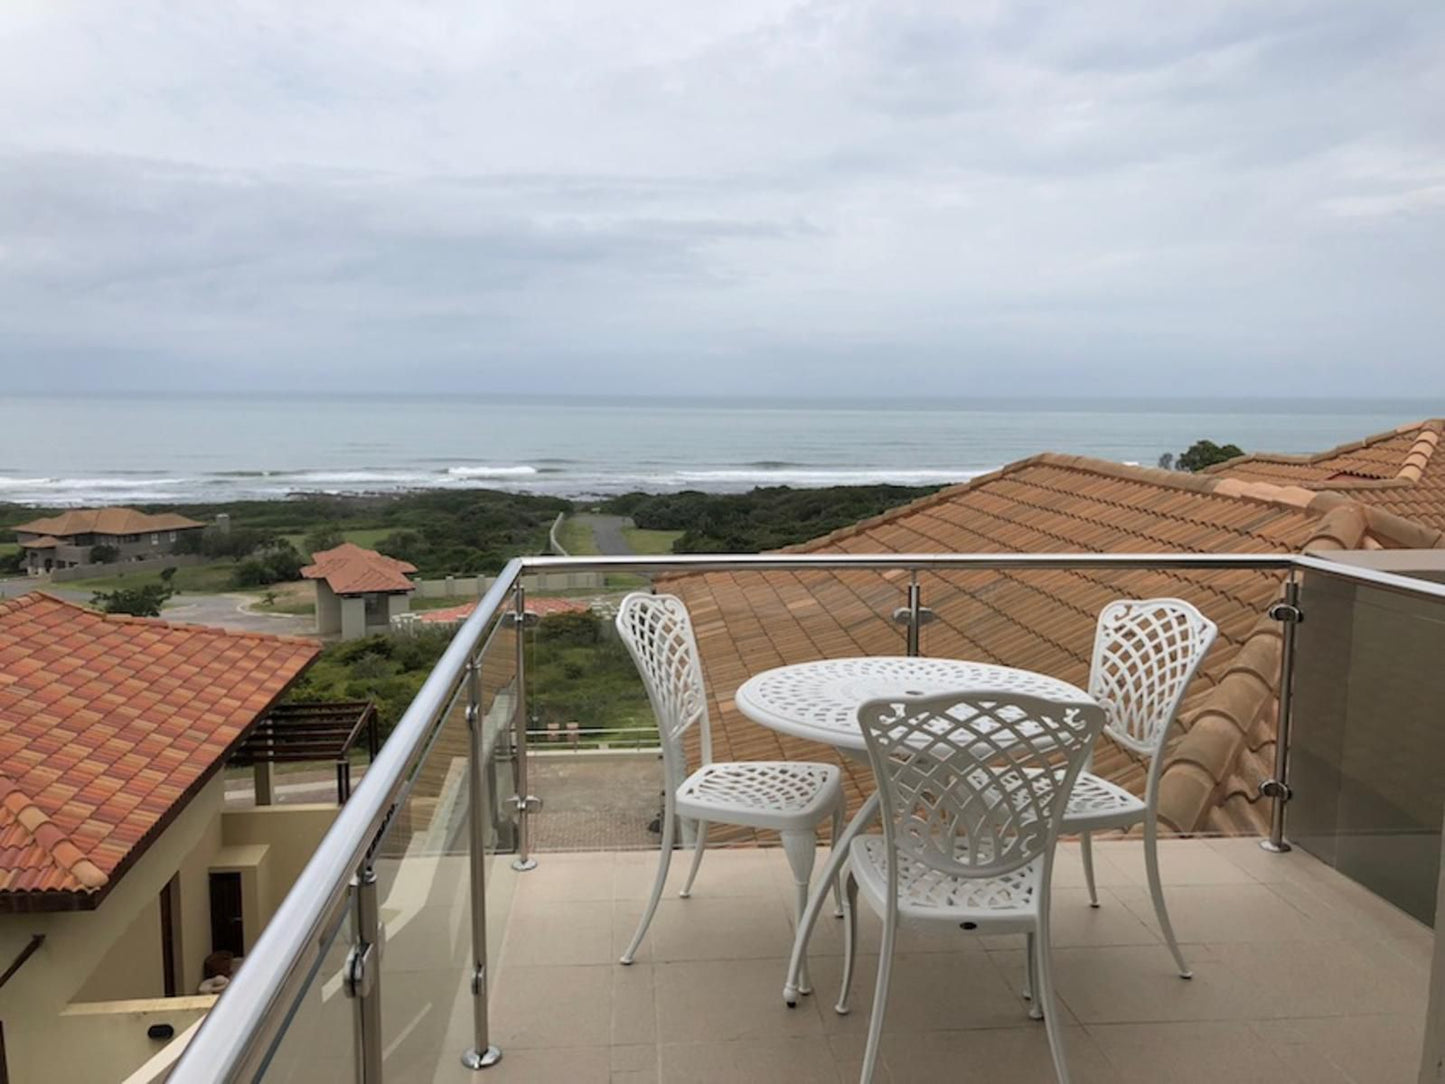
[66, 540]
[114, 846]
[358, 591]
[1383, 493]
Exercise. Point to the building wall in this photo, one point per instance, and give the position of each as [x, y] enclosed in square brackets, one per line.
[467, 587]
[328, 609]
[353, 617]
[127, 568]
[83, 989]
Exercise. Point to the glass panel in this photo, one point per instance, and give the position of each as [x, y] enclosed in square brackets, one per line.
[592, 738]
[423, 892]
[1367, 739]
[319, 1041]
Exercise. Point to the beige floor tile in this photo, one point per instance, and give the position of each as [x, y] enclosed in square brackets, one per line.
[559, 933]
[1346, 905]
[1014, 1055]
[1323, 978]
[1181, 862]
[1069, 866]
[1196, 1052]
[1363, 1049]
[1076, 923]
[626, 914]
[547, 1007]
[723, 1000]
[848, 1058]
[634, 1004]
[1243, 912]
[927, 992]
[635, 1058]
[712, 928]
[771, 1061]
[589, 1065]
[567, 877]
[1138, 984]
[725, 873]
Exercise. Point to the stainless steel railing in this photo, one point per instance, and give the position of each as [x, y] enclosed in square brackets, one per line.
[243, 1029]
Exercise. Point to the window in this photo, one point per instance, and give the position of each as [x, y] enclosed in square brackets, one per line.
[155, 539]
[173, 536]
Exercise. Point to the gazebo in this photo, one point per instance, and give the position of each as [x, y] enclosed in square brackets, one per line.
[358, 590]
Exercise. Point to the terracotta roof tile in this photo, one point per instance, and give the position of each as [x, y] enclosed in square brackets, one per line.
[1044, 620]
[94, 759]
[107, 521]
[348, 569]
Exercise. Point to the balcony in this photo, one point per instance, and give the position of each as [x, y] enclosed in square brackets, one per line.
[1306, 966]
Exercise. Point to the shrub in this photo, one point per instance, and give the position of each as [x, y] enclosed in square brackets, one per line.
[1205, 453]
[104, 554]
[137, 601]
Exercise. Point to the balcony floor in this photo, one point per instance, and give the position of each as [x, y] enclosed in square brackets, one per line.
[1300, 975]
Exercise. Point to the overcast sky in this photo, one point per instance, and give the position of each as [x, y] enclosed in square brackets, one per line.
[745, 197]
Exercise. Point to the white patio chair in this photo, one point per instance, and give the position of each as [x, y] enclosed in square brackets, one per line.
[1145, 655]
[791, 798]
[973, 788]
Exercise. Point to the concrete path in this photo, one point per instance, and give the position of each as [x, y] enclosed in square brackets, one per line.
[607, 533]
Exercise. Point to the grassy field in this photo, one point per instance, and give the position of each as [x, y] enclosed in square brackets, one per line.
[576, 538]
[650, 543]
[207, 579]
[298, 598]
[361, 536]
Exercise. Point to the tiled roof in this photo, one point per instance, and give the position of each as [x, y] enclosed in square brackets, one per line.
[108, 726]
[348, 569]
[1400, 471]
[543, 607]
[107, 521]
[45, 542]
[748, 622]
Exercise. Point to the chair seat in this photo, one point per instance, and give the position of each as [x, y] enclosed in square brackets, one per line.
[777, 794]
[927, 894]
[1097, 803]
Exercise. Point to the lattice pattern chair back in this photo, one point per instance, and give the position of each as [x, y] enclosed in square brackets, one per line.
[975, 784]
[658, 635]
[1145, 654]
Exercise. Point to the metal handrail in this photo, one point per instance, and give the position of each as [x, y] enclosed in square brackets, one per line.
[240, 1031]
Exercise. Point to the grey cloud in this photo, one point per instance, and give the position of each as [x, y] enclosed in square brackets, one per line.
[1101, 197]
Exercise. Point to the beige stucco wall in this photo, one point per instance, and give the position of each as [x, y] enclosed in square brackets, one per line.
[328, 609]
[69, 993]
[353, 617]
[34, 1002]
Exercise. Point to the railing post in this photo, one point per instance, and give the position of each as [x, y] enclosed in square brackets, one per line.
[482, 1053]
[1289, 614]
[913, 616]
[524, 801]
[362, 979]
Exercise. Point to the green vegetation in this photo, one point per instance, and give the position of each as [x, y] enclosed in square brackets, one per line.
[763, 519]
[206, 579]
[577, 537]
[1202, 454]
[577, 671]
[386, 669]
[137, 601]
[650, 543]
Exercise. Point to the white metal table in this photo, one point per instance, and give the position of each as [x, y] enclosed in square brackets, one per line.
[820, 700]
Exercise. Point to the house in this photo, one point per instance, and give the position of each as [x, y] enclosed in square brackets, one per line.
[1386, 493]
[358, 591]
[120, 871]
[68, 539]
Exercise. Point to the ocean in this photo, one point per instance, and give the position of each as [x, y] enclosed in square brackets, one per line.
[80, 450]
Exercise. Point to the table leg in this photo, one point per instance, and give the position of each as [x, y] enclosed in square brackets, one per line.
[821, 887]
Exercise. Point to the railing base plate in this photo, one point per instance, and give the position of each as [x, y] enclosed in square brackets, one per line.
[1274, 848]
[482, 1059]
[522, 866]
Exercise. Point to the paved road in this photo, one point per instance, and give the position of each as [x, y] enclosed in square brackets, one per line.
[223, 611]
[607, 533]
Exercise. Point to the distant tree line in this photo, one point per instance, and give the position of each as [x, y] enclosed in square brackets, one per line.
[766, 518]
